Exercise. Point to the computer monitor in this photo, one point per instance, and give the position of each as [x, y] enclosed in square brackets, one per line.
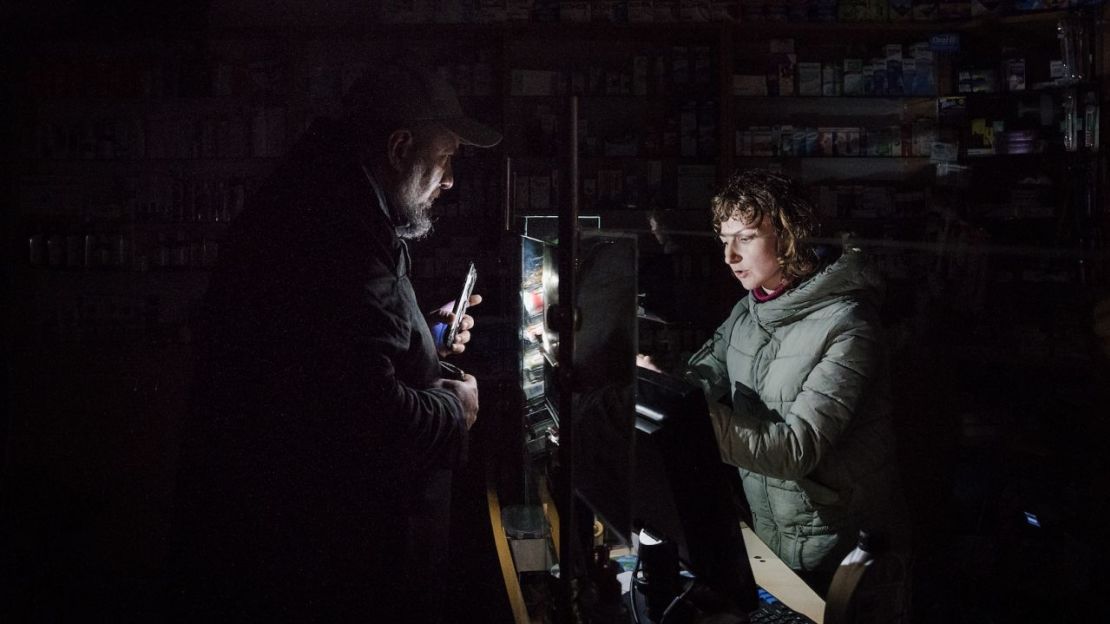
[681, 489]
[645, 455]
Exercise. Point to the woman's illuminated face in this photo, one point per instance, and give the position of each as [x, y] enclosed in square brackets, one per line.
[751, 251]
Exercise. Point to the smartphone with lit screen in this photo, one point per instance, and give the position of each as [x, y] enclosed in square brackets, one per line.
[460, 306]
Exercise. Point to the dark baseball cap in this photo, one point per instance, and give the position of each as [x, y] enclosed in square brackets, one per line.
[402, 92]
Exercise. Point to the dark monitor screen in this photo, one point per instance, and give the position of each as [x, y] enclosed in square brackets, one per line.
[681, 489]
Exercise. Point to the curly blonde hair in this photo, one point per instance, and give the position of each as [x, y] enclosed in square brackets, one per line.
[752, 194]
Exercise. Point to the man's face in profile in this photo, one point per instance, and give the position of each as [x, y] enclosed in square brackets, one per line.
[426, 173]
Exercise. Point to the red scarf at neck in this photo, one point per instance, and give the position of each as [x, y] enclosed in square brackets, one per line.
[761, 296]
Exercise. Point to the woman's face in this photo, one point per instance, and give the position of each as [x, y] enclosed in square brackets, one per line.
[751, 252]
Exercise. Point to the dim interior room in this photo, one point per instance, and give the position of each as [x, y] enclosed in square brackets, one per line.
[956, 142]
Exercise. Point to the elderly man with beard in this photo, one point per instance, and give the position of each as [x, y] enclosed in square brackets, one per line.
[315, 476]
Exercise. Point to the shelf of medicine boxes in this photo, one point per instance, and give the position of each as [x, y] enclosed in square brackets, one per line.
[226, 129]
[634, 81]
[761, 102]
[814, 169]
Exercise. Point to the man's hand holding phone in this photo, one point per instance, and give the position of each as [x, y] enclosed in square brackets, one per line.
[441, 319]
[450, 323]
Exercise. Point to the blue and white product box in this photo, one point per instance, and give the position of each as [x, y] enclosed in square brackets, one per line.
[963, 81]
[853, 77]
[951, 110]
[1057, 70]
[809, 78]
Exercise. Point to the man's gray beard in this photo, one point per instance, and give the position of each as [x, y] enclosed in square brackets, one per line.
[417, 215]
[419, 223]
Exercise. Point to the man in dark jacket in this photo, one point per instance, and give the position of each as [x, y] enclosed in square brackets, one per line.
[316, 470]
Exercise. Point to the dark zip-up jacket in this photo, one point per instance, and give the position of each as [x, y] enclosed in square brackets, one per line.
[318, 447]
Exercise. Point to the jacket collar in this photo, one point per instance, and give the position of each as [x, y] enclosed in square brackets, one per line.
[383, 203]
[404, 260]
[851, 275]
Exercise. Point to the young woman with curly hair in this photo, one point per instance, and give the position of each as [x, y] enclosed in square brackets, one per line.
[796, 380]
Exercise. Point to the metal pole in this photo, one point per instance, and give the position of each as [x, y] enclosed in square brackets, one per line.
[568, 255]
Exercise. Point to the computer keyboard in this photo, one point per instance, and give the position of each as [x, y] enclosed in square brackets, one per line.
[772, 611]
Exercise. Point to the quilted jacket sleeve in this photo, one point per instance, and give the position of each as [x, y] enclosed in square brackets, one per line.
[791, 446]
[707, 368]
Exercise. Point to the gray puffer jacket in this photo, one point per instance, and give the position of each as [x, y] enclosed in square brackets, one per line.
[809, 425]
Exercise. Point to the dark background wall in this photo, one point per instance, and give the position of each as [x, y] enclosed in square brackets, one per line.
[1001, 384]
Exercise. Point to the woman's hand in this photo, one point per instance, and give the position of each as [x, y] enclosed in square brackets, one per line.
[645, 361]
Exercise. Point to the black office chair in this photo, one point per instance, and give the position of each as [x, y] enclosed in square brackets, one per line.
[872, 584]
